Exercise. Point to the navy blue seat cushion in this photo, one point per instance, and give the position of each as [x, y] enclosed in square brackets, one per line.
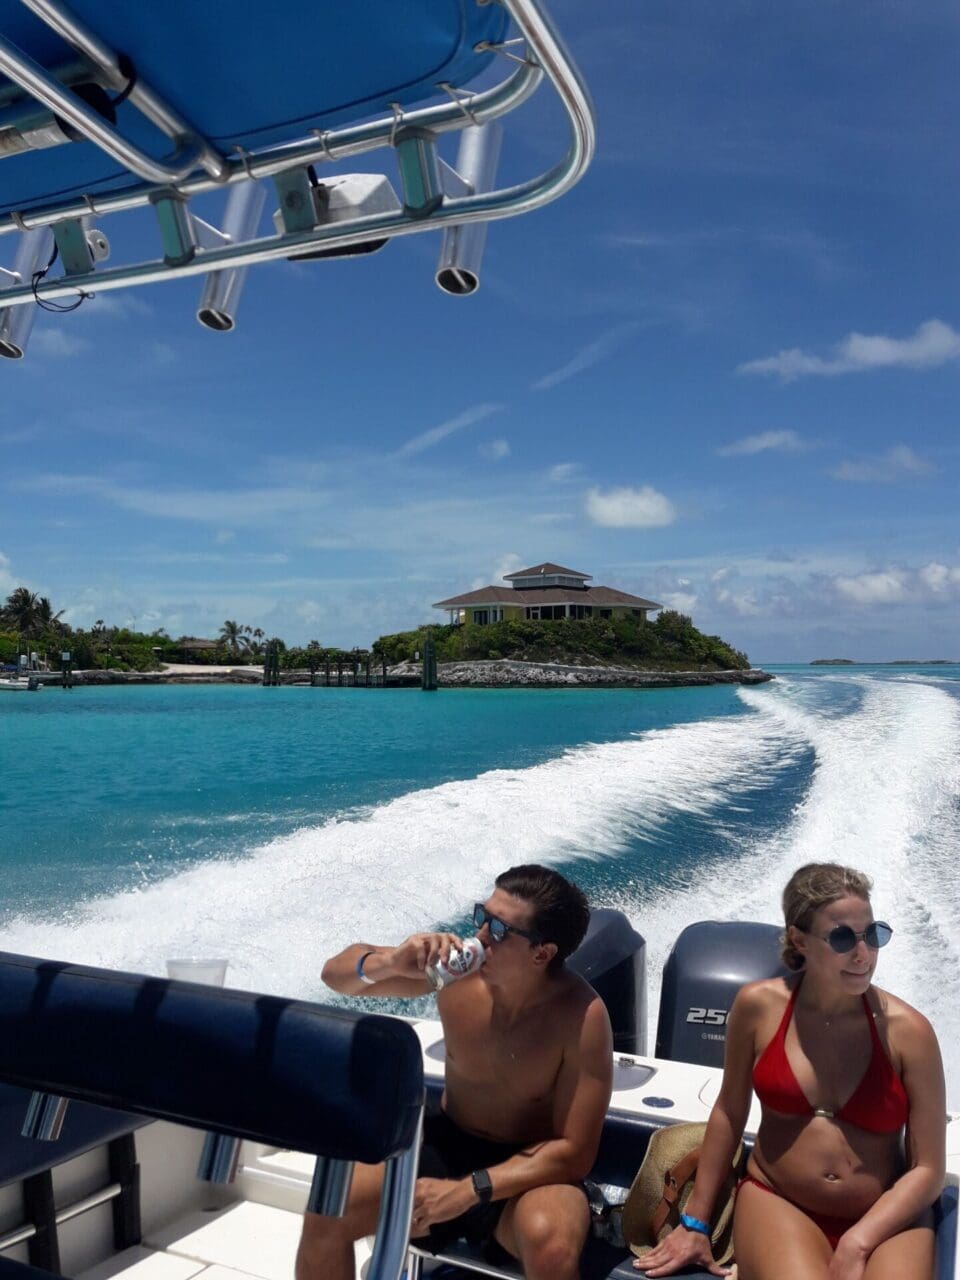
[84, 1127]
[946, 1248]
[247, 73]
[288, 1073]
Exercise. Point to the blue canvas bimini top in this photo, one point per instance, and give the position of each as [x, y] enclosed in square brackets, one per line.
[249, 74]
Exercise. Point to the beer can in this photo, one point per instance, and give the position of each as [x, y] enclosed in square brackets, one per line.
[457, 965]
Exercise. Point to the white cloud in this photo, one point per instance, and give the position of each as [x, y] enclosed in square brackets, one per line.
[742, 603]
[214, 506]
[894, 465]
[162, 354]
[6, 577]
[780, 441]
[427, 439]
[939, 578]
[495, 450]
[888, 586]
[115, 304]
[224, 536]
[934, 343]
[57, 343]
[600, 349]
[627, 508]
[682, 601]
[563, 471]
[508, 563]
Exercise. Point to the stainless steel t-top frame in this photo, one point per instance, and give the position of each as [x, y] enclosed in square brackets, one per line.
[343, 214]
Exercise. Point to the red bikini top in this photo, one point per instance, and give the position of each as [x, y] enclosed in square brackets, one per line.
[879, 1103]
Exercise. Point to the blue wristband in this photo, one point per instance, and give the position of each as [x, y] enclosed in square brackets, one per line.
[360, 974]
[694, 1224]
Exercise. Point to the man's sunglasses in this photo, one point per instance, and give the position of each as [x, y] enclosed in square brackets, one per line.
[843, 939]
[499, 929]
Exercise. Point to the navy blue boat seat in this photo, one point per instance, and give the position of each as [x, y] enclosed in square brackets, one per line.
[284, 1072]
[343, 1085]
[10, 1270]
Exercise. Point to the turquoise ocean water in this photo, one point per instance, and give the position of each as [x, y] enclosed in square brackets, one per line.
[273, 826]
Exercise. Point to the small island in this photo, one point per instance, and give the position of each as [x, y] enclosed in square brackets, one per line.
[547, 629]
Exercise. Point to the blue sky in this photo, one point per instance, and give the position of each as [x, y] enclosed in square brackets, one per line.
[721, 373]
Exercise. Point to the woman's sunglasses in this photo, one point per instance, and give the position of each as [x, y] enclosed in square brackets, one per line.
[843, 939]
[499, 929]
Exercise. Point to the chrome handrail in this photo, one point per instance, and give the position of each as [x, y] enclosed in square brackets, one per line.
[59, 19]
[339, 144]
[36, 80]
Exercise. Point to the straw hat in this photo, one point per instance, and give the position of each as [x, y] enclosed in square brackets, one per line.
[663, 1185]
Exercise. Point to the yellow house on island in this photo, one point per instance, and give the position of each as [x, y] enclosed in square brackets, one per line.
[545, 592]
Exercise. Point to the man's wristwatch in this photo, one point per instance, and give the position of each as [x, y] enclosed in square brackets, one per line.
[482, 1185]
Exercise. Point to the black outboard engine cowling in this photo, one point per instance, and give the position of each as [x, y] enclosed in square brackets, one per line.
[613, 959]
[708, 965]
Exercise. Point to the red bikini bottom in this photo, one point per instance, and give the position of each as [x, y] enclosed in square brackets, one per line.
[832, 1228]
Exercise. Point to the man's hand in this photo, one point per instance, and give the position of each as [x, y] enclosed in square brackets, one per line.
[413, 956]
[439, 1200]
[681, 1248]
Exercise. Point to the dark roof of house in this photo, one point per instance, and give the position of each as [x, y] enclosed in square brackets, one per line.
[548, 595]
[547, 570]
[192, 642]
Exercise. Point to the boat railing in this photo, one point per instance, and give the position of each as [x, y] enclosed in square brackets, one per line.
[433, 194]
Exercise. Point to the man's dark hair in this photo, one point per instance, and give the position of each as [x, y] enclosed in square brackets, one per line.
[560, 910]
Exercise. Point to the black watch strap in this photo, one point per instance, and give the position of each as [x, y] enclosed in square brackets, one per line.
[482, 1185]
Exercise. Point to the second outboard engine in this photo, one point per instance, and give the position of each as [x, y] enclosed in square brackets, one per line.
[613, 959]
[708, 965]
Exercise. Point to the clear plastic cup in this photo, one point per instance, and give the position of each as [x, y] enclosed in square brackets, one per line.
[212, 973]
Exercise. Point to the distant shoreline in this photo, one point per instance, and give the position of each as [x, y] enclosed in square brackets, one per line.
[892, 662]
[494, 674]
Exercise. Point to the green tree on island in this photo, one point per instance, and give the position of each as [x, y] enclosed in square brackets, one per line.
[233, 636]
[28, 613]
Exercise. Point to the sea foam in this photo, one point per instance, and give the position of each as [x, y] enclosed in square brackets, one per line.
[421, 858]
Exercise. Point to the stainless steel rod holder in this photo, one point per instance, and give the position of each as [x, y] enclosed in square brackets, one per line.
[219, 1159]
[330, 1187]
[44, 1118]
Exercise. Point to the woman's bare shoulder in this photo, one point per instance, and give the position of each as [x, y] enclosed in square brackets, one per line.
[759, 1000]
[901, 1020]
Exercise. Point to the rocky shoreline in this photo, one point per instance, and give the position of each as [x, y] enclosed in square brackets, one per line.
[506, 673]
[503, 673]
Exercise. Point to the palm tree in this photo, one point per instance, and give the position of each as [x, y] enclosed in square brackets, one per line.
[46, 617]
[231, 633]
[23, 609]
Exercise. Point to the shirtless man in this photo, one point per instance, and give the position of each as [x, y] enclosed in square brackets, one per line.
[528, 1080]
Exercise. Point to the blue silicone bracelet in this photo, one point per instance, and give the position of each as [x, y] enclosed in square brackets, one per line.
[694, 1224]
[360, 974]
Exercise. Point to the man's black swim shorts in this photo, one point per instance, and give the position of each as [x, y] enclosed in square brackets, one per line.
[449, 1152]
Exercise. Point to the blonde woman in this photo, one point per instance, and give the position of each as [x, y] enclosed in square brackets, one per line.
[842, 1070]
